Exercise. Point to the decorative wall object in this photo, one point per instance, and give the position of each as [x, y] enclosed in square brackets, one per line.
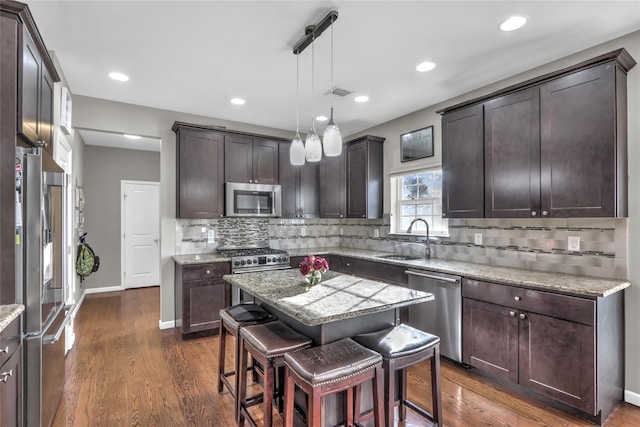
[417, 144]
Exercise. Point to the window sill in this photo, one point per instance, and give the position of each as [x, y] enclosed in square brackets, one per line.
[436, 234]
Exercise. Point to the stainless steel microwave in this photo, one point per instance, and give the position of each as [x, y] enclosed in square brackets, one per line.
[253, 200]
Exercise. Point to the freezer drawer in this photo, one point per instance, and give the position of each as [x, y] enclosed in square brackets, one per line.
[443, 315]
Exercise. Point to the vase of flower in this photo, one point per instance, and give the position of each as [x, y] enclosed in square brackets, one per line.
[312, 268]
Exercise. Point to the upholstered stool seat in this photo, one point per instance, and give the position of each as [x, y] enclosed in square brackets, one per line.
[267, 343]
[403, 346]
[332, 368]
[231, 320]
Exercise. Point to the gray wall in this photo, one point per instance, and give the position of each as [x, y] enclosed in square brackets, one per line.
[104, 168]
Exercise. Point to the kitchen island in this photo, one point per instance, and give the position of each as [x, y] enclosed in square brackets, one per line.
[339, 306]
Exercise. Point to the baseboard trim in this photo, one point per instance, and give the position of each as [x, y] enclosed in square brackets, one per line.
[167, 325]
[632, 397]
[88, 291]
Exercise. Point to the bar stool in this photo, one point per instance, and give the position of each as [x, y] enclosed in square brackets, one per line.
[403, 346]
[267, 343]
[331, 368]
[231, 320]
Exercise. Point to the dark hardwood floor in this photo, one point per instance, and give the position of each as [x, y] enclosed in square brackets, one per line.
[124, 371]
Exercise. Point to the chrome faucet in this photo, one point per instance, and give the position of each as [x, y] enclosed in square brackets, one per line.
[427, 248]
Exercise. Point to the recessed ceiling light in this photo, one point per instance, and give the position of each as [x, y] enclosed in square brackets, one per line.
[119, 76]
[361, 98]
[513, 23]
[322, 118]
[426, 66]
[131, 136]
[237, 101]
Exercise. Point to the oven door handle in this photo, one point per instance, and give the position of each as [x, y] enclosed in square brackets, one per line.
[253, 270]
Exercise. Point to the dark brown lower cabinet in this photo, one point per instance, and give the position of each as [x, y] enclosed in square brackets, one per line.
[11, 376]
[566, 349]
[200, 293]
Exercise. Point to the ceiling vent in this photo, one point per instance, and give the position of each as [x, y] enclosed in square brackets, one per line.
[338, 92]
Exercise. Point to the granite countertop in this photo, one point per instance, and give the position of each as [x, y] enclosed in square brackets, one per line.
[200, 259]
[556, 282]
[8, 313]
[336, 297]
[592, 287]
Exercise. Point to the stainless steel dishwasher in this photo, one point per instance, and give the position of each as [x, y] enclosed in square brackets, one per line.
[443, 315]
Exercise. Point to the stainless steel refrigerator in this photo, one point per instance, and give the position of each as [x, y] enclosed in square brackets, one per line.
[40, 283]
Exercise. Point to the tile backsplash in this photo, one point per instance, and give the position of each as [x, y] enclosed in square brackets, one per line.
[535, 244]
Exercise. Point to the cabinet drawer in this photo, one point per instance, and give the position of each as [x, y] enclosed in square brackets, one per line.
[381, 271]
[9, 340]
[567, 307]
[205, 271]
[348, 265]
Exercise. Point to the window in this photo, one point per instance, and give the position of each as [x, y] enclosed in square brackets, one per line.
[419, 195]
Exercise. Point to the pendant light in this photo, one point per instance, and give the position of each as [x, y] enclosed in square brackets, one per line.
[296, 151]
[313, 146]
[332, 139]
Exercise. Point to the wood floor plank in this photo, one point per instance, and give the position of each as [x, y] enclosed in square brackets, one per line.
[124, 371]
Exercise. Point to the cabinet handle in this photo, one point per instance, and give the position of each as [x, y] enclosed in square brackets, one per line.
[444, 214]
[545, 213]
[517, 298]
[5, 375]
[4, 350]
[523, 316]
[208, 271]
[534, 213]
[42, 143]
[364, 216]
[512, 313]
[220, 215]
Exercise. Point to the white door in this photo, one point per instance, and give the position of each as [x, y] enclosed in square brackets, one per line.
[140, 234]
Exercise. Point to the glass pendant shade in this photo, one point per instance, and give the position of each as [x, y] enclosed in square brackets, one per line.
[297, 151]
[332, 139]
[313, 147]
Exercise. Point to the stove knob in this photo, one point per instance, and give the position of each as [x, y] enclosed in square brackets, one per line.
[279, 259]
[249, 262]
[242, 262]
[268, 259]
[237, 263]
[255, 260]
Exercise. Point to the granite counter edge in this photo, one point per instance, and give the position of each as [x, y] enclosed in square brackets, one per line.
[8, 313]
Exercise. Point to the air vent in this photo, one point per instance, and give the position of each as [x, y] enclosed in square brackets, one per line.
[338, 92]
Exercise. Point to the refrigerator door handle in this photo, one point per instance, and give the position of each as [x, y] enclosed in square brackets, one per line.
[53, 338]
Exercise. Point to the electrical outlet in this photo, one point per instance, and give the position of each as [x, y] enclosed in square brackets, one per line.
[342, 231]
[376, 232]
[303, 231]
[573, 243]
[211, 236]
[477, 239]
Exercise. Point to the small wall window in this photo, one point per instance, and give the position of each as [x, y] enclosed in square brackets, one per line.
[418, 195]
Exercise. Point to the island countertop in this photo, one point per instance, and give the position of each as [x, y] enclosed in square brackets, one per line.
[336, 297]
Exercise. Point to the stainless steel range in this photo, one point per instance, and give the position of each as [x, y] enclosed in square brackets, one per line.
[249, 260]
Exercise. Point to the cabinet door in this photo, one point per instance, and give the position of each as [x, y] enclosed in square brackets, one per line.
[308, 191]
[557, 359]
[357, 178]
[289, 178]
[238, 158]
[11, 390]
[490, 338]
[265, 161]
[46, 111]
[29, 119]
[462, 163]
[512, 155]
[202, 302]
[578, 149]
[200, 174]
[333, 187]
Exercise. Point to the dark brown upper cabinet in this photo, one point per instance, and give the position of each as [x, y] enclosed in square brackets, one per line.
[299, 187]
[35, 123]
[364, 177]
[512, 155]
[463, 163]
[554, 146]
[249, 159]
[199, 173]
[333, 187]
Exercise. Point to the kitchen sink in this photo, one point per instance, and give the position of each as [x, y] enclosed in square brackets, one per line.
[398, 257]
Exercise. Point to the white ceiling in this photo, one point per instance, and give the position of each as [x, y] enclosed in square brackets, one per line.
[118, 140]
[194, 56]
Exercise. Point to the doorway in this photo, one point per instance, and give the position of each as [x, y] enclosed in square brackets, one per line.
[140, 240]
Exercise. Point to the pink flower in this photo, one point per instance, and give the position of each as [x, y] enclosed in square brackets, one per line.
[305, 268]
[319, 264]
